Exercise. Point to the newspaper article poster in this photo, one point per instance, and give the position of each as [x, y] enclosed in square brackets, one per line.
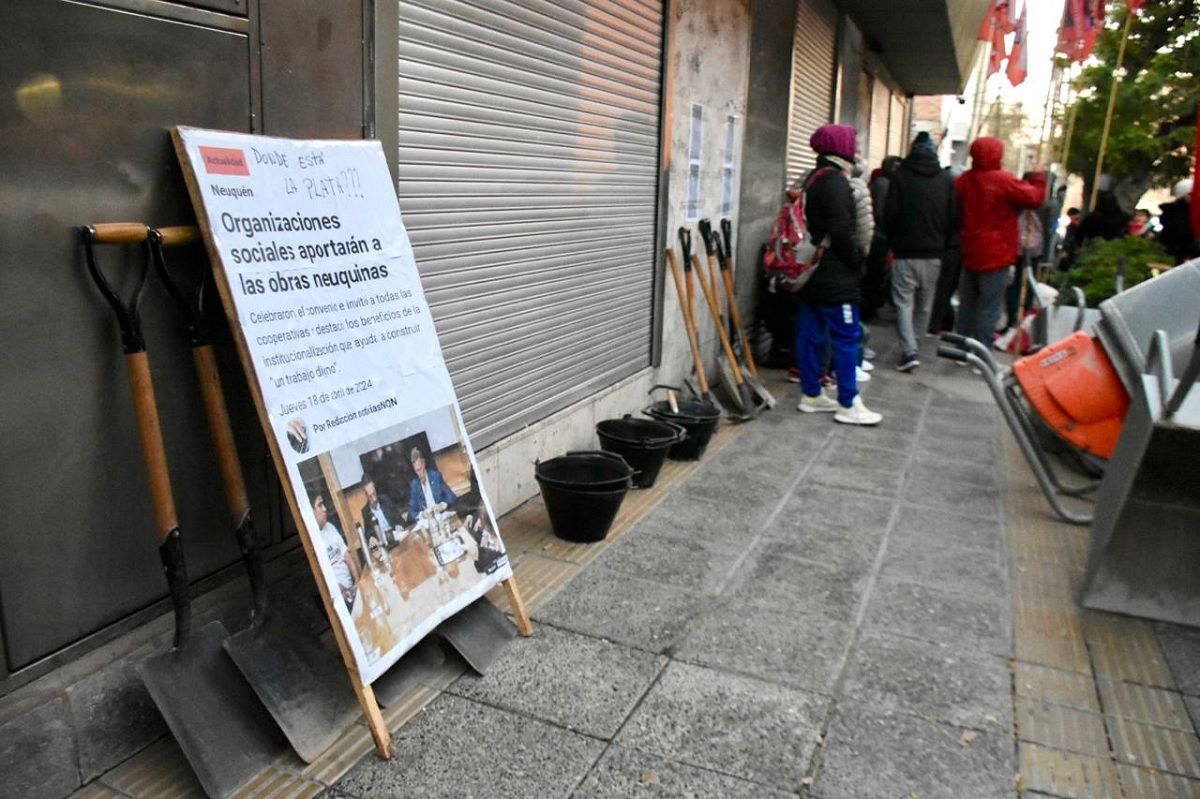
[311, 253]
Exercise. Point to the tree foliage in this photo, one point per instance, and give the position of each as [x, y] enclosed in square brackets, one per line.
[1153, 131]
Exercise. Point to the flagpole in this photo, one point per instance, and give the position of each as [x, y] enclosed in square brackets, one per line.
[1048, 111]
[1069, 132]
[1112, 101]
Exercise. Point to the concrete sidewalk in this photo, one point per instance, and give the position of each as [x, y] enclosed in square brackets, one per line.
[812, 610]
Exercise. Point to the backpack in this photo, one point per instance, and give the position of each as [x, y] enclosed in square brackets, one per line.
[1029, 224]
[792, 255]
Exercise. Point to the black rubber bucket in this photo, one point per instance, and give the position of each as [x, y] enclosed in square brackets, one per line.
[698, 417]
[643, 443]
[583, 492]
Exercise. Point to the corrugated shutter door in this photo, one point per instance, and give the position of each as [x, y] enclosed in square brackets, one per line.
[529, 141]
[813, 48]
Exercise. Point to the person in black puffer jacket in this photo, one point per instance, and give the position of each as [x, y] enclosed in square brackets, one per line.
[919, 216]
[829, 301]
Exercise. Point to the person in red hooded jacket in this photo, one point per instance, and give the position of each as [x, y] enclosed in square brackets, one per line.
[989, 202]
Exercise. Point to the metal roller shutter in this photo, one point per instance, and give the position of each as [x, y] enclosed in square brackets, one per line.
[814, 45]
[529, 164]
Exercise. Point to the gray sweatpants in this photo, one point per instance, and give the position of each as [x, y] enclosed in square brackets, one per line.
[914, 284]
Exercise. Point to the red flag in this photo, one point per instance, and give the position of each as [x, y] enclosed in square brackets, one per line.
[1081, 23]
[997, 53]
[1018, 59]
[998, 18]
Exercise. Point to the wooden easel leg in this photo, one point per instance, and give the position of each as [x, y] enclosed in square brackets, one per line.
[375, 722]
[524, 626]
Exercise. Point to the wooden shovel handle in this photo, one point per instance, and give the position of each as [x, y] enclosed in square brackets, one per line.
[179, 235]
[688, 322]
[119, 233]
[736, 315]
[222, 431]
[153, 452]
[716, 315]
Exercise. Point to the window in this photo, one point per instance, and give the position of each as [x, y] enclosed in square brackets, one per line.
[694, 149]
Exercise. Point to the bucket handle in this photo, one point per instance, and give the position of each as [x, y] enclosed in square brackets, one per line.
[680, 430]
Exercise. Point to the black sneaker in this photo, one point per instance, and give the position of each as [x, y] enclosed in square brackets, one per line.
[908, 363]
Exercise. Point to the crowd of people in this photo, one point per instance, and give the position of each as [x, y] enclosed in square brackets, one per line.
[917, 235]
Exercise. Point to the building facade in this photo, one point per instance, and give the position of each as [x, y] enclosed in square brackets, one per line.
[545, 154]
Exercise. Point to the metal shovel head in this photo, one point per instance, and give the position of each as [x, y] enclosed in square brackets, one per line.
[478, 632]
[303, 684]
[224, 731]
[417, 664]
[760, 391]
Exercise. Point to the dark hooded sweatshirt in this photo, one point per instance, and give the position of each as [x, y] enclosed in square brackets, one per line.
[829, 210]
[919, 212]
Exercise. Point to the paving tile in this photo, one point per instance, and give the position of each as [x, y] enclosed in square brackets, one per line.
[863, 457]
[1124, 648]
[874, 755]
[1043, 683]
[884, 436]
[807, 538]
[697, 716]
[1175, 751]
[1181, 646]
[971, 427]
[583, 684]
[731, 492]
[935, 681]
[775, 644]
[959, 619]
[1066, 774]
[606, 604]
[1149, 705]
[1061, 727]
[1051, 637]
[679, 560]
[950, 494]
[1042, 585]
[704, 519]
[857, 479]
[773, 579]
[1193, 706]
[926, 465]
[457, 748]
[930, 529]
[954, 447]
[954, 568]
[629, 774]
[837, 509]
[1149, 783]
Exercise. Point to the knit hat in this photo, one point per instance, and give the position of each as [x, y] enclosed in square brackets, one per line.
[836, 140]
[923, 141]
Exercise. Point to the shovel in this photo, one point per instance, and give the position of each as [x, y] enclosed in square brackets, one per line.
[750, 408]
[691, 265]
[689, 324]
[713, 245]
[302, 683]
[224, 731]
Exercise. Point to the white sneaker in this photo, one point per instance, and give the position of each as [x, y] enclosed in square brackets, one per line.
[860, 375]
[857, 413]
[867, 366]
[817, 404]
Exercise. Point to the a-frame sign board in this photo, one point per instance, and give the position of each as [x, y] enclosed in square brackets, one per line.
[317, 277]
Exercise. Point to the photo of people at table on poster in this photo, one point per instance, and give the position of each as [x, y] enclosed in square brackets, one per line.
[402, 525]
